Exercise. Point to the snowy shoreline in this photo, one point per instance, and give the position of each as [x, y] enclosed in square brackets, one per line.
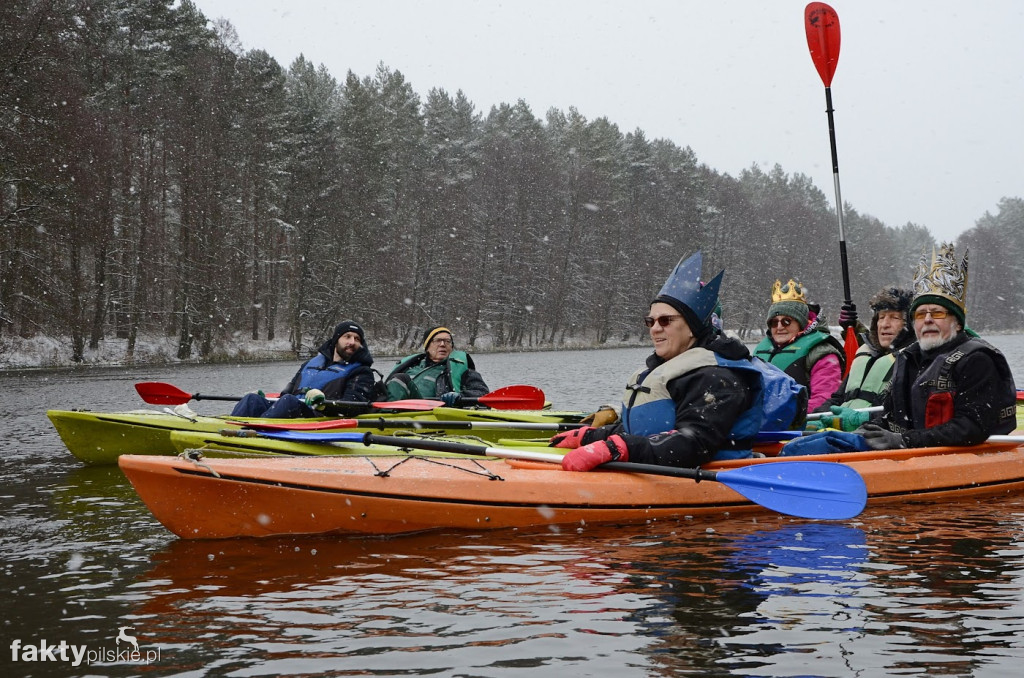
[19, 354]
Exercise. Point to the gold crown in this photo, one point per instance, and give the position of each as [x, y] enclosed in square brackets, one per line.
[791, 291]
[942, 276]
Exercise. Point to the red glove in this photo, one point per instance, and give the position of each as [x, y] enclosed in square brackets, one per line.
[589, 456]
[571, 439]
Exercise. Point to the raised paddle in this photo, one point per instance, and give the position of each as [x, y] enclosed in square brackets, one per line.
[507, 398]
[823, 38]
[807, 489]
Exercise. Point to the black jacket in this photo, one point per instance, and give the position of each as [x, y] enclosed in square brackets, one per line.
[708, 401]
[979, 381]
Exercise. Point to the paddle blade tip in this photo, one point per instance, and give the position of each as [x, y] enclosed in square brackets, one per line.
[159, 393]
[821, 23]
[820, 490]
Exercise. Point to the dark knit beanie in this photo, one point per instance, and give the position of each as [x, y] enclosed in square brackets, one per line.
[945, 303]
[349, 326]
[797, 310]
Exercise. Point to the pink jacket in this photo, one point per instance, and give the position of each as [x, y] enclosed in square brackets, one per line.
[826, 375]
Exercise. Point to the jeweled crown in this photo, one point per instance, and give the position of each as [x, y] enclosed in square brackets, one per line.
[942, 276]
[791, 291]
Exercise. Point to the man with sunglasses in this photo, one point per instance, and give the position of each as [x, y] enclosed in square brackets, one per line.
[439, 371]
[950, 387]
[699, 397]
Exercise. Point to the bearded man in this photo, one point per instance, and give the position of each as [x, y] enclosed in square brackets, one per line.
[950, 387]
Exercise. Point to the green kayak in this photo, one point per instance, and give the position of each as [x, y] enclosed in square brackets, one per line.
[101, 437]
[249, 443]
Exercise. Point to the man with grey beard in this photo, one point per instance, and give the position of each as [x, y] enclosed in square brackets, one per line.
[950, 387]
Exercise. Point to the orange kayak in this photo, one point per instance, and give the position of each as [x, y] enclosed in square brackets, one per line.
[382, 495]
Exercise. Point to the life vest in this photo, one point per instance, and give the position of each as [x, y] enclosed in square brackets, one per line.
[317, 372]
[930, 396]
[424, 377]
[648, 408]
[797, 358]
[868, 378]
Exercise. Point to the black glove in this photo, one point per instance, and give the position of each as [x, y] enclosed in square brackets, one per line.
[848, 316]
[879, 438]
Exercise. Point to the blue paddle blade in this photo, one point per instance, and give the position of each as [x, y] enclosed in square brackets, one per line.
[316, 436]
[807, 489]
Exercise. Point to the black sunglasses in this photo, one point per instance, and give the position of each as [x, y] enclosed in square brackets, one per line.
[663, 320]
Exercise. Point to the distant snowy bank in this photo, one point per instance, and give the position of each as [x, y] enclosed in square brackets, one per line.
[52, 352]
[41, 351]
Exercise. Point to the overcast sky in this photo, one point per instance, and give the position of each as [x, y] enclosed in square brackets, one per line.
[928, 94]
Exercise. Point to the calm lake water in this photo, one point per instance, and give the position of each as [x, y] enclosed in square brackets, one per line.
[902, 590]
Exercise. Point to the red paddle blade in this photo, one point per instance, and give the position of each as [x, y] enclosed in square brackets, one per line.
[159, 393]
[514, 398]
[850, 347]
[822, 25]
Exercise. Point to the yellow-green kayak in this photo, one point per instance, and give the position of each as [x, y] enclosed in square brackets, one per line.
[101, 437]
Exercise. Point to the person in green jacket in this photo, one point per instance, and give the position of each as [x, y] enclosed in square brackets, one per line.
[439, 371]
[871, 370]
[794, 344]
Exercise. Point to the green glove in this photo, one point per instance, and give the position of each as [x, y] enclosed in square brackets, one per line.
[814, 425]
[849, 419]
[315, 399]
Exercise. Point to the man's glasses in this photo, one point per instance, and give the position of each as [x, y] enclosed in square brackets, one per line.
[920, 314]
[663, 320]
[784, 321]
[441, 342]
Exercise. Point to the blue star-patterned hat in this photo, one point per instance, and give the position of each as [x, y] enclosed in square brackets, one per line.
[687, 294]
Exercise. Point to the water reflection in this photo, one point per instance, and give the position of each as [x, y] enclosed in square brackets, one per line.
[913, 589]
[940, 588]
[424, 603]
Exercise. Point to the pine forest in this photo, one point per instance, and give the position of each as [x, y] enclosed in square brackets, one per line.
[158, 180]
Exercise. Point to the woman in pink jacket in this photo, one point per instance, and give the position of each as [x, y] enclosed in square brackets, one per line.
[798, 345]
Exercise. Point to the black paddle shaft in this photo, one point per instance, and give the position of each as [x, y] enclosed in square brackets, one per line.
[844, 262]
